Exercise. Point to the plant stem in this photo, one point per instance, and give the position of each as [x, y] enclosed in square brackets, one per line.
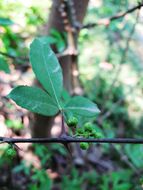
[63, 131]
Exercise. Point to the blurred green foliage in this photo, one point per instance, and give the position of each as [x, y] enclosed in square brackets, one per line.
[3, 65]
[14, 124]
[101, 51]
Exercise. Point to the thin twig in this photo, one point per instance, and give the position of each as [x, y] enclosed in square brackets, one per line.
[114, 106]
[123, 58]
[125, 159]
[107, 21]
[69, 139]
[116, 75]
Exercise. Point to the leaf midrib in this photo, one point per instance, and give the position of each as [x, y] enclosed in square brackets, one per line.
[59, 106]
[81, 108]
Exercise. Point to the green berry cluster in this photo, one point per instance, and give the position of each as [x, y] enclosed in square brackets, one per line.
[87, 131]
[72, 121]
[84, 145]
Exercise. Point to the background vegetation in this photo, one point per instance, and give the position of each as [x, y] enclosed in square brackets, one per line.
[110, 66]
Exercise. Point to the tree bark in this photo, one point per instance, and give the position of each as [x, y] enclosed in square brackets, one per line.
[41, 126]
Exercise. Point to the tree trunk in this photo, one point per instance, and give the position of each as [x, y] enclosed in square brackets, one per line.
[41, 126]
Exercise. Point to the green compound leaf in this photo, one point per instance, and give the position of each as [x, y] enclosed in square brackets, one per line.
[3, 65]
[82, 106]
[6, 22]
[47, 68]
[34, 99]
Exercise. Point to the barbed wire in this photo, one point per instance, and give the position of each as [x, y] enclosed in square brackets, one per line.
[107, 21]
[70, 139]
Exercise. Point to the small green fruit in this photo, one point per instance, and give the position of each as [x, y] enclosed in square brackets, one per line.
[84, 145]
[88, 127]
[96, 134]
[86, 134]
[72, 121]
[11, 152]
[80, 131]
